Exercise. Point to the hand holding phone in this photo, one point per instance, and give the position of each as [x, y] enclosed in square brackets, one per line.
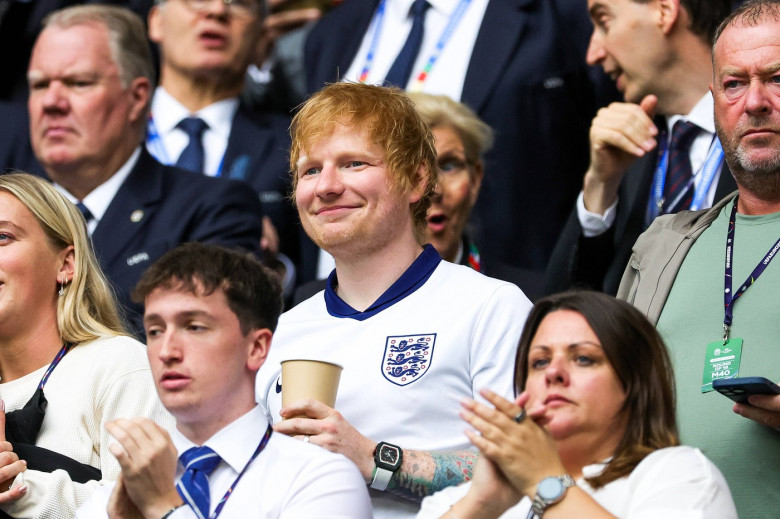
[740, 388]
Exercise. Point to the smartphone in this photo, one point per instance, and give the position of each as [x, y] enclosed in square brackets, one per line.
[740, 388]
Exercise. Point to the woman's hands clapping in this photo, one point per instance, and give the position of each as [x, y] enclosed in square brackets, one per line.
[523, 453]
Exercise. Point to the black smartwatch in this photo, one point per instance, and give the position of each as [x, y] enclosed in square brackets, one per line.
[388, 458]
[549, 491]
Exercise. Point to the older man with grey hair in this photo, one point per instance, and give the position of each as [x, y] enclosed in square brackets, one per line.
[91, 78]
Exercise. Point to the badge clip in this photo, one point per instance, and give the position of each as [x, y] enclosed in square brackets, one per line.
[726, 329]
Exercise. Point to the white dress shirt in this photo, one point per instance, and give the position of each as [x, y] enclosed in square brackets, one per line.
[167, 113]
[289, 479]
[594, 224]
[449, 71]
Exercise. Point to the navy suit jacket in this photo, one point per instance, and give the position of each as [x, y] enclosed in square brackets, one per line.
[159, 207]
[598, 262]
[258, 153]
[527, 78]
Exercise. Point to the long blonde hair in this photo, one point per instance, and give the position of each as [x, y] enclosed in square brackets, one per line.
[87, 309]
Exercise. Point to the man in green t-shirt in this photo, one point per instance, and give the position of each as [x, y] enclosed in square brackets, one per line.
[685, 268]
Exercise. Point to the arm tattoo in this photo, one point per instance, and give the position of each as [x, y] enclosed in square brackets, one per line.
[424, 473]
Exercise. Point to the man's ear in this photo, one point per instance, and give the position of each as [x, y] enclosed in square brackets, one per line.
[258, 348]
[68, 266]
[669, 13]
[139, 92]
[154, 23]
[416, 193]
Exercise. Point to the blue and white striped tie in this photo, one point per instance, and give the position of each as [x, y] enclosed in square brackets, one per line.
[193, 487]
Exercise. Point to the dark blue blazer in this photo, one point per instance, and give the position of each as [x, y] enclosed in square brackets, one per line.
[258, 153]
[527, 78]
[598, 263]
[159, 207]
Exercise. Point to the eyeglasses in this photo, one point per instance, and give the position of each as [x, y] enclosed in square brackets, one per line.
[245, 8]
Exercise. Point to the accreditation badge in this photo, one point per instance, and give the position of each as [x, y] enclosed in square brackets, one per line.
[722, 361]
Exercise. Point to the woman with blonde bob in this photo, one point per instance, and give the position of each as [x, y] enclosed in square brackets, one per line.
[592, 433]
[66, 365]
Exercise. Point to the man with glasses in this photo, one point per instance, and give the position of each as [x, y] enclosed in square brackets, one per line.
[198, 121]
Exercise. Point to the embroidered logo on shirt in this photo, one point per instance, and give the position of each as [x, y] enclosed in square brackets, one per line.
[407, 357]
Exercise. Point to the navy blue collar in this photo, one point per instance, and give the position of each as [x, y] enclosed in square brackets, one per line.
[414, 277]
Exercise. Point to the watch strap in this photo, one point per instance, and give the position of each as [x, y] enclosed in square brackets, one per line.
[381, 478]
[384, 470]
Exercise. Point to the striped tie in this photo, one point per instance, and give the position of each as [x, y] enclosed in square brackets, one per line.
[679, 172]
[193, 487]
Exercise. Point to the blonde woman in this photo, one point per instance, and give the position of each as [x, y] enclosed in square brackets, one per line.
[66, 365]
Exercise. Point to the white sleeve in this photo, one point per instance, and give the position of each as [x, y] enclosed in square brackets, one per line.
[679, 483]
[95, 507]
[494, 345]
[438, 504]
[54, 495]
[330, 487]
[594, 224]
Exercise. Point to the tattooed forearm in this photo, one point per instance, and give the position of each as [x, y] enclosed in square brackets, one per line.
[423, 473]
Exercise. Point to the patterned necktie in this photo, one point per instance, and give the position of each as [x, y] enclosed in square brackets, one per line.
[88, 216]
[402, 66]
[191, 157]
[193, 487]
[679, 172]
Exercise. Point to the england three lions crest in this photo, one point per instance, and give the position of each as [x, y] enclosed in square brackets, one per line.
[407, 357]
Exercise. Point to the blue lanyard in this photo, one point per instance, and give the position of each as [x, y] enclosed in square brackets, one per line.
[258, 450]
[378, 19]
[54, 363]
[708, 170]
[155, 146]
[730, 297]
[454, 21]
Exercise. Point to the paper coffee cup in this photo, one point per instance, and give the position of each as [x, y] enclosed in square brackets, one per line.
[312, 379]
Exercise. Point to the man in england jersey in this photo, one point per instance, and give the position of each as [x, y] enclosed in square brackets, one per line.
[414, 334]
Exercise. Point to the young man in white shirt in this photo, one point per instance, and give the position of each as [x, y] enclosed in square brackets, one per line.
[210, 314]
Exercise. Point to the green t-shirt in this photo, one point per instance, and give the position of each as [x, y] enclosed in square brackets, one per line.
[746, 452]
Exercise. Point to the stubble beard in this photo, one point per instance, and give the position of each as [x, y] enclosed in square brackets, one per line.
[760, 175]
[356, 239]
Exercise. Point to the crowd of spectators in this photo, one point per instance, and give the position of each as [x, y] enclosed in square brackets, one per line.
[195, 191]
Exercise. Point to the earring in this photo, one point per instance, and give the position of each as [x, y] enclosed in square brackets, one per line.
[62, 287]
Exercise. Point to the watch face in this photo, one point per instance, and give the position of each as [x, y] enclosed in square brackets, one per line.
[388, 454]
[550, 489]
